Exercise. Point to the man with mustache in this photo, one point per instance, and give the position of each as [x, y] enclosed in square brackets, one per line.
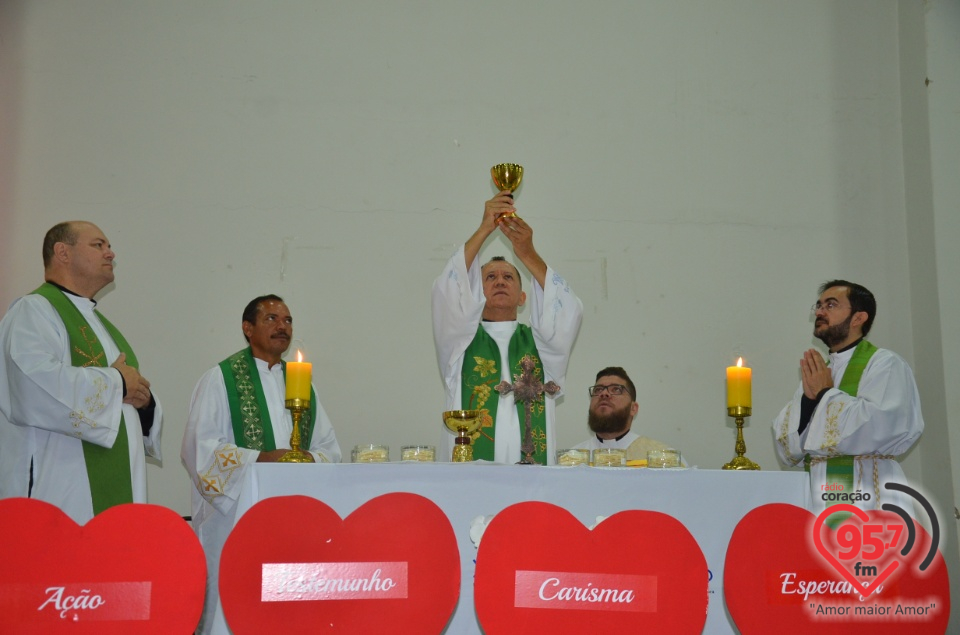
[613, 405]
[479, 341]
[76, 415]
[852, 417]
[238, 417]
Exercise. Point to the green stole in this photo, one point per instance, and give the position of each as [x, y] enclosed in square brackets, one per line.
[108, 469]
[476, 385]
[840, 468]
[252, 428]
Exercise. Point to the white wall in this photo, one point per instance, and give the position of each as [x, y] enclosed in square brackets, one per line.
[942, 25]
[930, 85]
[693, 169]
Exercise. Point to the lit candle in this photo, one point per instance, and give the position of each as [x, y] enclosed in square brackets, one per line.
[298, 379]
[738, 386]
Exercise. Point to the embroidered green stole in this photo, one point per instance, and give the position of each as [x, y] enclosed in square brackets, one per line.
[108, 469]
[840, 468]
[478, 377]
[252, 427]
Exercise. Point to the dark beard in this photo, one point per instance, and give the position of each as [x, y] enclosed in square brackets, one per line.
[614, 421]
[833, 335]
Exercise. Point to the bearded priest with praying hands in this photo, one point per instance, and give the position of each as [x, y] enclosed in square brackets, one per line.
[852, 417]
[480, 342]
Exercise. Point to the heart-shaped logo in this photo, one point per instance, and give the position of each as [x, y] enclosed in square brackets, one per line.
[881, 551]
[132, 570]
[390, 566]
[539, 570]
[774, 575]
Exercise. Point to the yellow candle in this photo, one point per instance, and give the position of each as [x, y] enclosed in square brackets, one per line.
[738, 386]
[298, 379]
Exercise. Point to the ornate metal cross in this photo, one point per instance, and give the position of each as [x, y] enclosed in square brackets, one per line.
[527, 388]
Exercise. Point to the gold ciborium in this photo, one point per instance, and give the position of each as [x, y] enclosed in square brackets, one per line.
[740, 462]
[296, 455]
[507, 176]
[464, 423]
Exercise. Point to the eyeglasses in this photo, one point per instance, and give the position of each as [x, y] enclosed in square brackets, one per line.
[613, 389]
[829, 305]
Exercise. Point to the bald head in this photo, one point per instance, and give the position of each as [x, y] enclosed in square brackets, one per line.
[77, 255]
[65, 233]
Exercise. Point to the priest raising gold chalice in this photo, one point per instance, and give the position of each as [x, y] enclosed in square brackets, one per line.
[481, 343]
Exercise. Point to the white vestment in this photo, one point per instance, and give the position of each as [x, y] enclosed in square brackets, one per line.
[216, 465]
[458, 303]
[883, 419]
[593, 443]
[47, 406]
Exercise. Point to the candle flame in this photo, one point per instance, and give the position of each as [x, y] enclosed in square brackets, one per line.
[739, 362]
[299, 355]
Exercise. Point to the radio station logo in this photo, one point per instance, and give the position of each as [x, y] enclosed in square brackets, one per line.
[870, 549]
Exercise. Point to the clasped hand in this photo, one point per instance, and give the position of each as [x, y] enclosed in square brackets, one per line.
[814, 374]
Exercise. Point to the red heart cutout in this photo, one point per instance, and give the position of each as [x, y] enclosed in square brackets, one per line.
[774, 575]
[133, 569]
[539, 570]
[292, 563]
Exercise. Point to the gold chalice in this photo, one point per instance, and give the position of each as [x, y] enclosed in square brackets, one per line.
[507, 176]
[464, 423]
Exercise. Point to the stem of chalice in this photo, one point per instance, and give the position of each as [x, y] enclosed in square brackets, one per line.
[463, 423]
[296, 455]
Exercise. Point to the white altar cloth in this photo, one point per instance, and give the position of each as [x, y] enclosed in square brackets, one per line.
[709, 503]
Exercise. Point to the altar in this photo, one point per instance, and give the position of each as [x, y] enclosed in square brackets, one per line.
[709, 503]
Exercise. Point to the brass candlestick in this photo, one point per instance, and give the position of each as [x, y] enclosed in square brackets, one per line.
[296, 455]
[740, 462]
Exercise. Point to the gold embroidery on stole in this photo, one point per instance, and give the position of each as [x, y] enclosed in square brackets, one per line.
[250, 412]
[481, 392]
[92, 360]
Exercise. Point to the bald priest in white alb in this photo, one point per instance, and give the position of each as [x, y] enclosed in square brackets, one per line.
[479, 341]
[76, 415]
